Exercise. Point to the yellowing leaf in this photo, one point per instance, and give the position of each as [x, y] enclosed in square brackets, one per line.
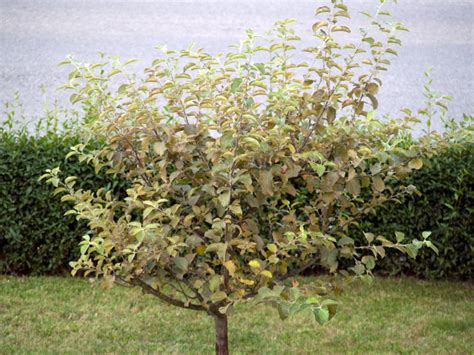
[247, 282]
[230, 266]
[415, 164]
[159, 148]
[342, 14]
[252, 142]
[378, 184]
[236, 209]
[265, 179]
[200, 249]
[322, 9]
[318, 25]
[232, 110]
[272, 247]
[353, 187]
[372, 88]
[266, 274]
[214, 282]
[341, 29]
[218, 296]
[259, 84]
[254, 263]
[252, 118]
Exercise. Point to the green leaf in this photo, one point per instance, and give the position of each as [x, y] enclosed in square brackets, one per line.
[331, 306]
[400, 236]
[369, 236]
[425, 234]
[312, 300]
[224, 199]
[392, 51]
[218, 296]
[373, 100]
[368, 261]
[235, 85]
[283, 310]
[227, 139]
[219, 248]
[321, 315]
[260, 67]
[359, 269]
[412, 250]
[320, 169]
[181, 264]
[430, 245]
[345, 241]
[130, 61]
[84, 248]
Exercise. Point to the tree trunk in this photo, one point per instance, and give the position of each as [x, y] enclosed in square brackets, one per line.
[222, 342]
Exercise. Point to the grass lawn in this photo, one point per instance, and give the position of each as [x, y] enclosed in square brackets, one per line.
[64, 315]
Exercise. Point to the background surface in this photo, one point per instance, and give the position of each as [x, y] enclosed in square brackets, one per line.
[36, 35]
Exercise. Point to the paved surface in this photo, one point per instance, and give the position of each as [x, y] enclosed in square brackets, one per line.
[36, 34]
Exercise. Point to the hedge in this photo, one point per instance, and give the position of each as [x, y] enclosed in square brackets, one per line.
[36, 238]
[445, 207]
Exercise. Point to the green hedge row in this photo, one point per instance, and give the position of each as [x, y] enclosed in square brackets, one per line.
[445, 207]
[36, 238]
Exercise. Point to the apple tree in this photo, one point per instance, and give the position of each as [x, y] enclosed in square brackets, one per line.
[244, 169]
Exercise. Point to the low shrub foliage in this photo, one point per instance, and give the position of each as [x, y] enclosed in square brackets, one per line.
[445, 207]
[36, 237]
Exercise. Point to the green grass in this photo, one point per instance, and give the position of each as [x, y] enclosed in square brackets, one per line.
[63, 315]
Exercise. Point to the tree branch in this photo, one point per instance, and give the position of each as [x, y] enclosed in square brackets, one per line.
[147, 288]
